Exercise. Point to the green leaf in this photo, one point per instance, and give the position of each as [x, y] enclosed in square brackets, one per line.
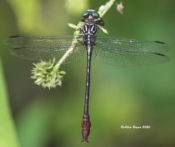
[8, 137]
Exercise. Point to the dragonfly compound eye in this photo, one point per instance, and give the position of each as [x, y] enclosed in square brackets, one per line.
[85, 14]
[95, 14]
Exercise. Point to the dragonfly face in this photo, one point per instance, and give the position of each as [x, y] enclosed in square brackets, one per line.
[92, 15]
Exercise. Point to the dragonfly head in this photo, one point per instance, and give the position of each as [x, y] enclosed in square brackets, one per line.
[92, 14]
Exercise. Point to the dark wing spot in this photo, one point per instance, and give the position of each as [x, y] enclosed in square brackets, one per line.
[18, 48]
[159, 54]
[14, 36]
[160, 42]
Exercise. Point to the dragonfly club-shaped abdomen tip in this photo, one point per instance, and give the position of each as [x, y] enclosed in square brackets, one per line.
[85, 128]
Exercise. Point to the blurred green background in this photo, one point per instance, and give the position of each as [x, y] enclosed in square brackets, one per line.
[119, 95]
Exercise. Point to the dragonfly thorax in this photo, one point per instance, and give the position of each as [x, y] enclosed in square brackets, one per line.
[89, 33]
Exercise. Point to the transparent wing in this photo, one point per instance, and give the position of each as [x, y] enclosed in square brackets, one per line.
[126, 52]
[45, 48]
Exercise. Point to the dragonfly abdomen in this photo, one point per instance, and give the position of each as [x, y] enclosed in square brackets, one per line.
[89, 38]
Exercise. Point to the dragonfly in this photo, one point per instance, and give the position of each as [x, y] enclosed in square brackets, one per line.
[111, 50]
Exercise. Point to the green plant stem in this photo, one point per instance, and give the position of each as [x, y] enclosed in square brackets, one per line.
[63, 58]
[104, 8]
[73, 45]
